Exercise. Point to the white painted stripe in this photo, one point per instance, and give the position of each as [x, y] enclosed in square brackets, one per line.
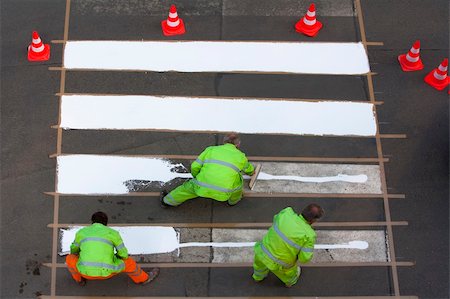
[158, 239]
[96, 174]
[215, 114]
[207, 56]
[91, 174]
[376, 250]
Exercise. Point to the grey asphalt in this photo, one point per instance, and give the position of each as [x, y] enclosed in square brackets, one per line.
[418, 165]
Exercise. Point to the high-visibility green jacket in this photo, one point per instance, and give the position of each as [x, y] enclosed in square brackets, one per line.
[290, 238]
[218, 171]
[95, 245]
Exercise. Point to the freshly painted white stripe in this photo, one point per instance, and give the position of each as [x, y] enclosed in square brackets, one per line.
[91, 174]
[250, 116]
[207, 56]
[367, 245]
[362, 178]
[96, 174]
[158, 239]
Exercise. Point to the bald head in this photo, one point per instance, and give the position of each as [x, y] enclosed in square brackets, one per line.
[312, 213]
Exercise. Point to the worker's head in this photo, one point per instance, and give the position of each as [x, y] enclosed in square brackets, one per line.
[312, 213]
[232, 138]
[100, 217]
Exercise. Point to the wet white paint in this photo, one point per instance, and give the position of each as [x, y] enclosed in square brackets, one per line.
[158, 239]
[220, 56]
[137, 239]
[98, 174]
[95, 174]
[362, 178]
[250, 116]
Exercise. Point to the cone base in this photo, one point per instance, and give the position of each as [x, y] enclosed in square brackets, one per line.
[406, 65]
[311, 31]
[170, 31]
[41, 56]
[430, 80]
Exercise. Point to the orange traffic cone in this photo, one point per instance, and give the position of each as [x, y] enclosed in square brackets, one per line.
[308, 25]
[173, 25]
[411, 61]
[38, 51]
[438, 77]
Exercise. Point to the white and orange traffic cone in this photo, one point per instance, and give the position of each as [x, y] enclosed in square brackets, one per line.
[37, 50]
[308, 25]
[173, 25]
[411, 61]
[438, 77]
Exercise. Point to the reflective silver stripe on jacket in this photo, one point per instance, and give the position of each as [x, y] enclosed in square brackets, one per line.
[170, 199]
[195, 181]
[121, 246]
[264, 249]
[223, 163]
[97, 239]
[75, 244]
[289, 241]
[102, 265]
[285, 238]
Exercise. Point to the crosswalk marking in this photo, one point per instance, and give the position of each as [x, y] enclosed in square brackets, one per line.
[250, 116]
[236, 245]
[97, 174]
[218, 56]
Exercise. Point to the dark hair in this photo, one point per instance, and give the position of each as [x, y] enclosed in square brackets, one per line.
[312, 212]
[100, 217]
[232, 138]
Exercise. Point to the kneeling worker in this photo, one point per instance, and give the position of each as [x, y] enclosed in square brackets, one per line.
[217, 174]
[92, 255]
[289, 240]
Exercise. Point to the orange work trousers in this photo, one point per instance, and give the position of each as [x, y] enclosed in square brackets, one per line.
[132, 269]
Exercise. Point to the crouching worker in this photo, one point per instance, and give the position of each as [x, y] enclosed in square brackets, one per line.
[217, 174]
[289, 240]
[92, 255]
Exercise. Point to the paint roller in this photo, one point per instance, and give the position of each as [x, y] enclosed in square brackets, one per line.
[254, 177]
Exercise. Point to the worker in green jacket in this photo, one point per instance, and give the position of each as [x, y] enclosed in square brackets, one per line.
[98, 252]
[217, 174]
[289, 240]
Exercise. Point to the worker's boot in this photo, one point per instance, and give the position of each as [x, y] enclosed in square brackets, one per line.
[151, 275]
[163, 194]
[299, 271]
[82, 282]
